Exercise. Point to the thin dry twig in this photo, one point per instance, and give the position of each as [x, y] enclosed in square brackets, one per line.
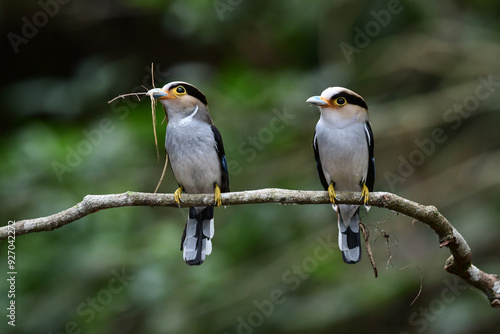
[421, 282]
[366, 237]
[152, 75]
[122, 96]
[162, 173]
[388, 248]
[153, 111]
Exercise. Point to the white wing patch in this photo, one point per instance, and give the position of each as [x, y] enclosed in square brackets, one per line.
[367, 132]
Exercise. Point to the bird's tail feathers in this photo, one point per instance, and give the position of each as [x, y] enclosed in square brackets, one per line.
[196, 241]
[349, 238]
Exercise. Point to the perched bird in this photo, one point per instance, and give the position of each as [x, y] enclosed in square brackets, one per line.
[196, 154]
[343, 148]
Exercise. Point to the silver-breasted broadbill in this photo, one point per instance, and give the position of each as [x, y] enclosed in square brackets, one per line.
[196, 155]
[343, 148]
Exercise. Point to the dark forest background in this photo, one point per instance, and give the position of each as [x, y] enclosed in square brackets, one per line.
[429, 71]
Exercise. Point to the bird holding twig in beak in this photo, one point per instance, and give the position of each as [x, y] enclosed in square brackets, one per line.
[196, 153]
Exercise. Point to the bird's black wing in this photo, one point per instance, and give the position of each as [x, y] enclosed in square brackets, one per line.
[224, 186]
[370, 176]
[319, 167]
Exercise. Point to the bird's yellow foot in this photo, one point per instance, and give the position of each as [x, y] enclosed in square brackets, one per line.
[177, 196]
[365, 194]
[331, 193]
[218, 197]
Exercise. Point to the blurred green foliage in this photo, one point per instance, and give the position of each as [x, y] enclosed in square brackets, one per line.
[420, 66]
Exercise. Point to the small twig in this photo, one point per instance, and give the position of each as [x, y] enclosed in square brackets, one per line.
[366, 236]
[129, 94]
[162, 173]
[153, 112]
[388, 245]
[152, 76]
[153, 109]
[421, 282]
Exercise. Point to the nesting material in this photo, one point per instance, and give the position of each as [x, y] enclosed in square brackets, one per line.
[153, 114]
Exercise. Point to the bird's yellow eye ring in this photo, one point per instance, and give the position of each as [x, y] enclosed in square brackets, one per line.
[340, 101]
[180, 90]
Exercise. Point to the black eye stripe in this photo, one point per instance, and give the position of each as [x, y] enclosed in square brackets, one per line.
[351, 99]
[193, 91]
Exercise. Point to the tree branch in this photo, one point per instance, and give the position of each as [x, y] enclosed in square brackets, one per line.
[459, 263]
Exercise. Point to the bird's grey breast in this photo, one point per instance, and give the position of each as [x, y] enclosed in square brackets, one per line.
[191, 148]
[343, 153]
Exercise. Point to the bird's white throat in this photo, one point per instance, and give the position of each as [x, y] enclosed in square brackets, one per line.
[186, 120]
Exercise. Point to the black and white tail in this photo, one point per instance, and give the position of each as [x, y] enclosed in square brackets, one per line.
[196, 241]
[349, 239]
